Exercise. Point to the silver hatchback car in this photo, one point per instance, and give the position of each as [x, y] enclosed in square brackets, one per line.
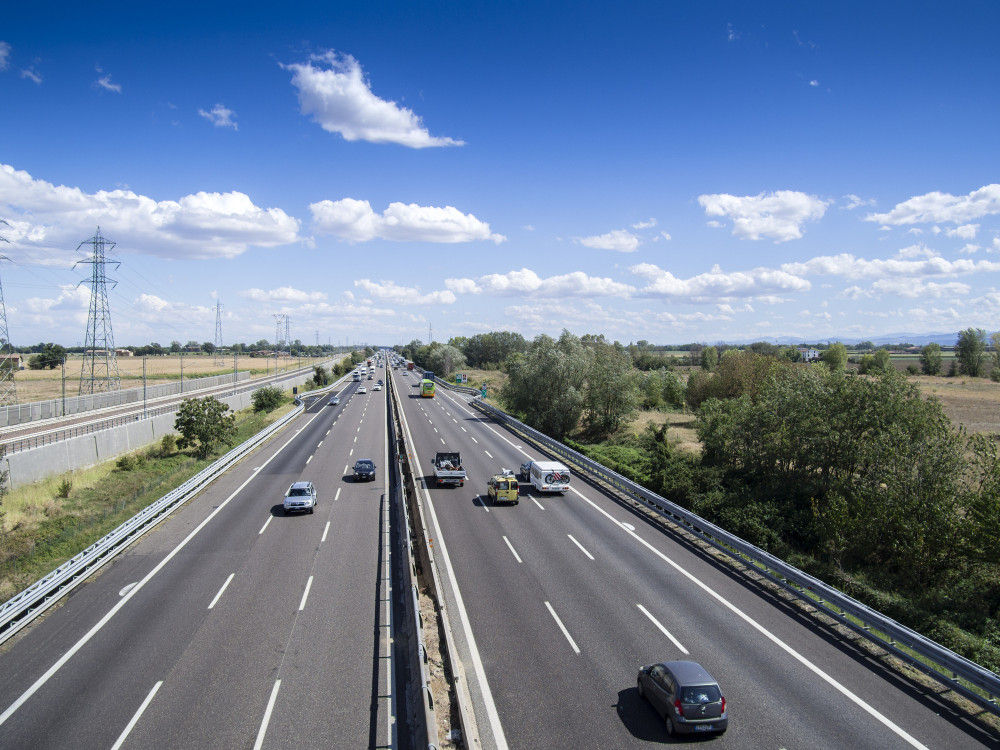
[685, 695]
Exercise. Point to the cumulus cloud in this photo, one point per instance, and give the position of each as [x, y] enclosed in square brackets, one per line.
[938, 206]
[847, 266]
[645, 224]
[334, 91]
[716, 285]
[284, 294]
[355, 221]
[4, 55]
[52, 218]
[778, 215]
[965, 231]
[916, 289]
[220, 116]
[619, 240]
[403, 295]
[527, 282]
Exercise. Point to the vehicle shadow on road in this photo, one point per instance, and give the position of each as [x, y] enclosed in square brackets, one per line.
[643, 723]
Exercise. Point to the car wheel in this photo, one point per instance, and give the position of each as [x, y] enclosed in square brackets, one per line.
[670, 725]
[640, 689]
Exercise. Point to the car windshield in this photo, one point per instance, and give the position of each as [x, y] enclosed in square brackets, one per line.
[364, 465]
[701, 694]
[298, 491]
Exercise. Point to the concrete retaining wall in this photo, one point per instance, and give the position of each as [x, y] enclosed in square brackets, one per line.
[32, 465]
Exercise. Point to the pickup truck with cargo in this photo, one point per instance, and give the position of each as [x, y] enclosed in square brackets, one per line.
[448, 469]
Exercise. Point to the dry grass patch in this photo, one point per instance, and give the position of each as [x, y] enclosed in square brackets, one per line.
[680, 427]
[970, 402]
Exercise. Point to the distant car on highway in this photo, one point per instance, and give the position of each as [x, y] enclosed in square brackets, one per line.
[364, 469]
[301, 497]
[362, 389]
[685, 695]
[334, 400]
[377, 387]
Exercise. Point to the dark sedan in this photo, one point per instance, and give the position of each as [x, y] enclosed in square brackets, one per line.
[364, 470]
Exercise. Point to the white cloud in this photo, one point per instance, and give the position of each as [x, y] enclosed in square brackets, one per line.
[355, 221]
[778, 215]
[335, 92]
[104, 82]
[402, 295]
[4, 55]
[847, 266]
[970, 248]
[31, 74]
[285, 294]
[965, 231]
[51, 218]
[915, 289]
[645, 224]
[716, 285]
[854, 201]
[662, 235]
[220, 117]
[939, 206]
[527, 282]
[916, 251]
[814, 83]
[620, 240]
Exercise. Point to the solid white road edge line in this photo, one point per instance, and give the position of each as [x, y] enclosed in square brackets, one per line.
[562, 628]
[856, 699]
[512, 550]
[114, 610]
[267, 716]
[663, 629]
[221, 591]
[135, 719]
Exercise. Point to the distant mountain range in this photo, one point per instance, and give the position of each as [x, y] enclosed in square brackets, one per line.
[916, 339]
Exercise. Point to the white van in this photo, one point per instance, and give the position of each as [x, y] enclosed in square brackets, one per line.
[546, 476]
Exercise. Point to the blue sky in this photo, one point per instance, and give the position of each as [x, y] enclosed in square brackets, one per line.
[648, 170]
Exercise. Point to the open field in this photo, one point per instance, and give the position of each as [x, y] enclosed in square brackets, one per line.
[41, 385]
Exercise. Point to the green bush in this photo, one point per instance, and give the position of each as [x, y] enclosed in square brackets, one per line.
[65, 486]
[267, 398]
[126, 462]
[168, 444]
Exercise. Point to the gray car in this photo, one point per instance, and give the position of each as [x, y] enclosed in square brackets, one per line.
[685, 695]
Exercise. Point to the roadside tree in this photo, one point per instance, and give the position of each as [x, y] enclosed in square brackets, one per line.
[835, 358]
[204, 425]
[930, 359]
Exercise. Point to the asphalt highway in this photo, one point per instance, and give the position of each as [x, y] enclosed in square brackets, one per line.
[233, 624]
[558, 600]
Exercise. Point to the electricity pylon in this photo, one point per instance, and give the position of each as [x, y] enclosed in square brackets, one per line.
[99, 372]
[218, 333]
[8, 391]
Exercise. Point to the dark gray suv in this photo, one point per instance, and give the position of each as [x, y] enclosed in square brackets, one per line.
[685, 695]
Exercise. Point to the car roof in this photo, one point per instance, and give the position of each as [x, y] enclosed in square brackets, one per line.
[690, 673]
[301, 485]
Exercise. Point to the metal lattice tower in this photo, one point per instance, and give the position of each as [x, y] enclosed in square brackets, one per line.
[278, 320]
[288, 337]
[99, 372]
[8, 391]
[218, 332]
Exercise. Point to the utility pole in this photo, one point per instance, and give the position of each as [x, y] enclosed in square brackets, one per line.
[99, 372]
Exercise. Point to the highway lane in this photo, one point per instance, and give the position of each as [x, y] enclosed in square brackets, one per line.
[293, 599]
[789, 683]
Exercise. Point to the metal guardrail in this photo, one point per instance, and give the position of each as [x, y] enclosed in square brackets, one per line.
[427, 699]
[965, 677]
[22, 608]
